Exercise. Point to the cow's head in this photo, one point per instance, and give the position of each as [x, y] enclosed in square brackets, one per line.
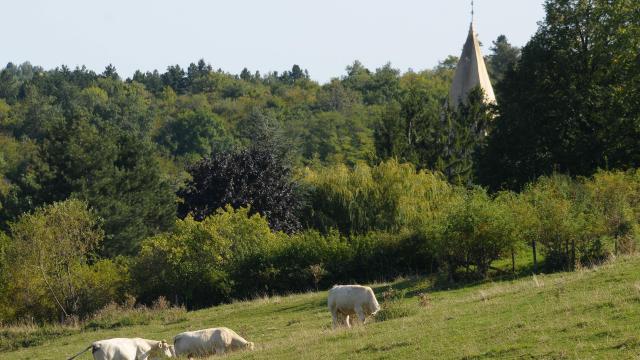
[162, 350]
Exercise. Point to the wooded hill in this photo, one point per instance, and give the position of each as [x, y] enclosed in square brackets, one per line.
[201, 186]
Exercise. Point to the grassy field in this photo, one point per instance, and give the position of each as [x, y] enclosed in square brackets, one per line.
[589, 314]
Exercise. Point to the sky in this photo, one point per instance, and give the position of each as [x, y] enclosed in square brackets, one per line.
[323, 36]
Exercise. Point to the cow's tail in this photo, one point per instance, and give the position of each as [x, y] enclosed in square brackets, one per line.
[82, 352]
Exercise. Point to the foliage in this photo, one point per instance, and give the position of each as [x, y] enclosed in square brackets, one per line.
[473, 229]
[420, 129]
[338, 138]
[503, 59]
[198, 263]
[569, 106]
[255, 177]
[466, 130]
[410, 128]
[385, 197]
[582, 222]
[49, 259]
[193, 134]
[120, 180]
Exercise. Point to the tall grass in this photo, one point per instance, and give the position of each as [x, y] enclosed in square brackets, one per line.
[113, 316]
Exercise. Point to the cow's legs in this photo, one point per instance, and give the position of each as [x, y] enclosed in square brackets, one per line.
[346, 320]
[334, 315]
[360, 314]
[219, 350]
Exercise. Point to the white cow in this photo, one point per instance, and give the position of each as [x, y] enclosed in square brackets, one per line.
[349, 300]
[207, 341]
[129, 349]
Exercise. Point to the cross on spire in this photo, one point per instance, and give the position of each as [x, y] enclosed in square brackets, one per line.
[472, 10]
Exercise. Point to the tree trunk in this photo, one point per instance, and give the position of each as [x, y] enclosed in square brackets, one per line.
[535, 258]
[573, 254]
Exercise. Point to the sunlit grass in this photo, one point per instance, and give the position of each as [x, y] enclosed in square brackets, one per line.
[592, 313]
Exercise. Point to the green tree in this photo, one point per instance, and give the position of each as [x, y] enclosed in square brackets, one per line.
[175, 78]
[333, 137]
[49, 257]
[411, 129]
[390, 196]
[466, 132]
[570, 105]
[193, 133]
[503, 58]
[116, 173]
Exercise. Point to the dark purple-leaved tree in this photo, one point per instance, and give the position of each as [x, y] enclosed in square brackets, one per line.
[257, 177]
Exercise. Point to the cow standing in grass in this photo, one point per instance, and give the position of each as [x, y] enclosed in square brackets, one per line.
[208, 341]
[129, 349]
[350, 300]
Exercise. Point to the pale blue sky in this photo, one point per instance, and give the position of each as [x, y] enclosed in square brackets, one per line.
[322, 36]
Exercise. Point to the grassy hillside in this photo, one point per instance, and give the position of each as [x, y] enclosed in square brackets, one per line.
[586, 314]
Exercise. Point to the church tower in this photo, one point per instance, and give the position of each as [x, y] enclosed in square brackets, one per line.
[471, 72]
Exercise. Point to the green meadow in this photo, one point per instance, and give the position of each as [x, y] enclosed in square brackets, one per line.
[588, 314]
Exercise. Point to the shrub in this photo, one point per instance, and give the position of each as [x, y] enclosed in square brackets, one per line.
[392, 306]
[582, 222]
[104, 281]
[6, 311]
[51, 264]
[295, 254]
[358, 258]
[558, 219]
[614, 201]
[201, 263]
[474, 229]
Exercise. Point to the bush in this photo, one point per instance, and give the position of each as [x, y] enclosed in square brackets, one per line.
[358, 258]
[50, 261]
[392, 306]
[614, 201]
[104, 281]
[559, 219]
[473, 230]
[201, 263]
[295, 255]
[583, 222]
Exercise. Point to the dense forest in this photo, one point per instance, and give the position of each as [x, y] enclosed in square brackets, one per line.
[202, 186]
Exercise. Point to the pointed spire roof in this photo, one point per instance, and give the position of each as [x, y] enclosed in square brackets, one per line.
[470, 72]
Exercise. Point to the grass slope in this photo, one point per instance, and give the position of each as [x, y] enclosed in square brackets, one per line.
[588, 314]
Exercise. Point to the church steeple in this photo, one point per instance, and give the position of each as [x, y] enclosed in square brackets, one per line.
[471, 71]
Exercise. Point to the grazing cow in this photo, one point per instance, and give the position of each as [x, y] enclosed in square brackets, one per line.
[349, 300]
[129, 349]
[208, 341]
